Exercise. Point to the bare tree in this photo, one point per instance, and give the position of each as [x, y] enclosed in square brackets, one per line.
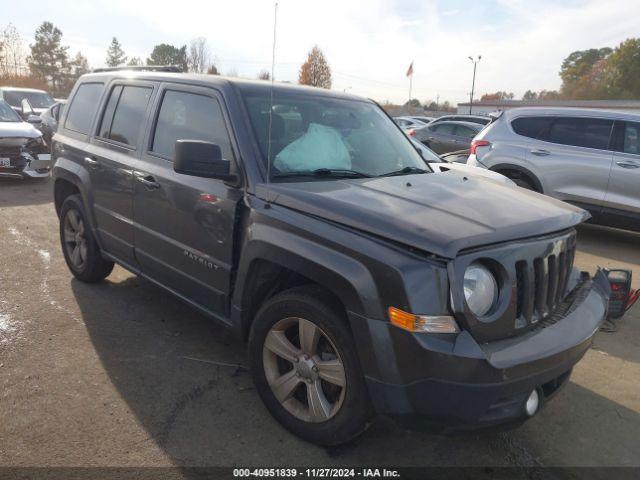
[135, 62]
[12, 52]
[199, 58]
[264, 75]
[315, 71]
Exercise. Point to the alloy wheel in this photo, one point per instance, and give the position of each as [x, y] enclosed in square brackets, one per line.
[75, 241]
[304, 370]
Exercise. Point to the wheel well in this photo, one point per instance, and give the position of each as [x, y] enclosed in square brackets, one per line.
[61, 190]
[511, 172]
[266, 279]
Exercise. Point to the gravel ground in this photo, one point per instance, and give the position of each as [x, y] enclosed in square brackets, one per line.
[123, 374]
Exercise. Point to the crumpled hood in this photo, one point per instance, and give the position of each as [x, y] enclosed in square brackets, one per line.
[12, 130]
[440, 214]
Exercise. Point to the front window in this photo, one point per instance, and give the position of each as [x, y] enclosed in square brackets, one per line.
[36, 99]
[316, 133]
[7, 114]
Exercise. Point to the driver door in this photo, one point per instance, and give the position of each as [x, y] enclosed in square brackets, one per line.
[184, 224]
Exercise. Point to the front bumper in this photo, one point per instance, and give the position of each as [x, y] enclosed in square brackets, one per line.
[435, 381]
[27, 165]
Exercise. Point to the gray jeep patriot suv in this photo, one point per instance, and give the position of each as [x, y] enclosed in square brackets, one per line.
[305, 221]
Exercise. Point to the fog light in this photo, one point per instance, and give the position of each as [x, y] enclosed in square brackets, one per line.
[532, 403]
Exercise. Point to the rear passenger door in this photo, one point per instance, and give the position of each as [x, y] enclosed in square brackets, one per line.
[185, 224]
[109, 161]
[623, 193]
[574, 157]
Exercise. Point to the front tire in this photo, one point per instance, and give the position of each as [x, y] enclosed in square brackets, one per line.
[305, 368]
[79, 246]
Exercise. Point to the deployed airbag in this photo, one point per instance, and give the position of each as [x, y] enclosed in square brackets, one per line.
[319, 147]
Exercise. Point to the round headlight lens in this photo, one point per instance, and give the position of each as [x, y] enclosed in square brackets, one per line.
[480, 289]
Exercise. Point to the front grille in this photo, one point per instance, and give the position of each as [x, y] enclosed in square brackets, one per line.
[10, 152]
[541, 282]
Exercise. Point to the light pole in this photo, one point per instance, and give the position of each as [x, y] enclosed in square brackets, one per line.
[473, 83]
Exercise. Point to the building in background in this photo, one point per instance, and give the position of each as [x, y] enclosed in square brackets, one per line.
[488, 106]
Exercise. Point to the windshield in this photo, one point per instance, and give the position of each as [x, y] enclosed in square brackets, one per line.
[36, 99]
[7, 114]
[315, 133]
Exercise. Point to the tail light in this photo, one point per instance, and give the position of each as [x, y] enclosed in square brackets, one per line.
[411, 133]
[478, 143]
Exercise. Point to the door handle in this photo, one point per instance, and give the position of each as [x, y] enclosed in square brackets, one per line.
[628, 164]
[540, 152]
[147, 180]
[91, 162]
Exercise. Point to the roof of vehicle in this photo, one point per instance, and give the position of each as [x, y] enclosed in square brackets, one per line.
[579, 112]
[405, 117]
[462, 115]
[218, 81]
[20, 89]
[473, 125]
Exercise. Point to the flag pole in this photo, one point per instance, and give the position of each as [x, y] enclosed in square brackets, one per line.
[410, 85]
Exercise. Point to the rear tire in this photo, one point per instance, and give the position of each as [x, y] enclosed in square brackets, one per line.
[79, 246]
[314, 388]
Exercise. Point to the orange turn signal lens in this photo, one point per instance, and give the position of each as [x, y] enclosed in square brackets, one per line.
[422, 323]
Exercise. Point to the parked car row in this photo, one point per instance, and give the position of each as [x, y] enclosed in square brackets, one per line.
[443, 134]
[590, 158]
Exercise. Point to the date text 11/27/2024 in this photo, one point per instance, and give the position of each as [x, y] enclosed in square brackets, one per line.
[316, 473]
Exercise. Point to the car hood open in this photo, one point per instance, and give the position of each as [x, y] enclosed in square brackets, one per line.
[439, 214]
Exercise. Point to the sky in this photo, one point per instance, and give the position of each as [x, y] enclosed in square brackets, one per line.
[369, 44]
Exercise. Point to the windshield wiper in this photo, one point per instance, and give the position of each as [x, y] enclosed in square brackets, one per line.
[324, 172]
[405, 171]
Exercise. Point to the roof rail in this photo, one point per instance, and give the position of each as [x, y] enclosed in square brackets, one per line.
[141, 68]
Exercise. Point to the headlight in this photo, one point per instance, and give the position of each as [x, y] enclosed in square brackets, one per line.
[480, 289]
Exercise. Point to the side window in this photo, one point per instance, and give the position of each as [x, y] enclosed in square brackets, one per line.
[107, 116]
[189, 116]
[581, 132]
[462, 131]
[631, 140]
[531, 127]
[83, 107]
[445, 128]
[123, 116]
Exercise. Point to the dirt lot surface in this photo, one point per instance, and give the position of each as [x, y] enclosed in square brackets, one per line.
[123, 374]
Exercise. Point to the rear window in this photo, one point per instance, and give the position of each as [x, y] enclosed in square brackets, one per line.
[83, 107]
[581, 132]
[531, 127]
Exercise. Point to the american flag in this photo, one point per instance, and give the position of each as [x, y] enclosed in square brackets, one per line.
[410, 71]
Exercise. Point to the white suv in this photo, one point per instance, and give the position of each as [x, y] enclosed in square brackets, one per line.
[590, 158]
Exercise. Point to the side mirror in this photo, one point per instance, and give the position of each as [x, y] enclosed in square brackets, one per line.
[34, 119]
[201, 159]
[26, 107]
